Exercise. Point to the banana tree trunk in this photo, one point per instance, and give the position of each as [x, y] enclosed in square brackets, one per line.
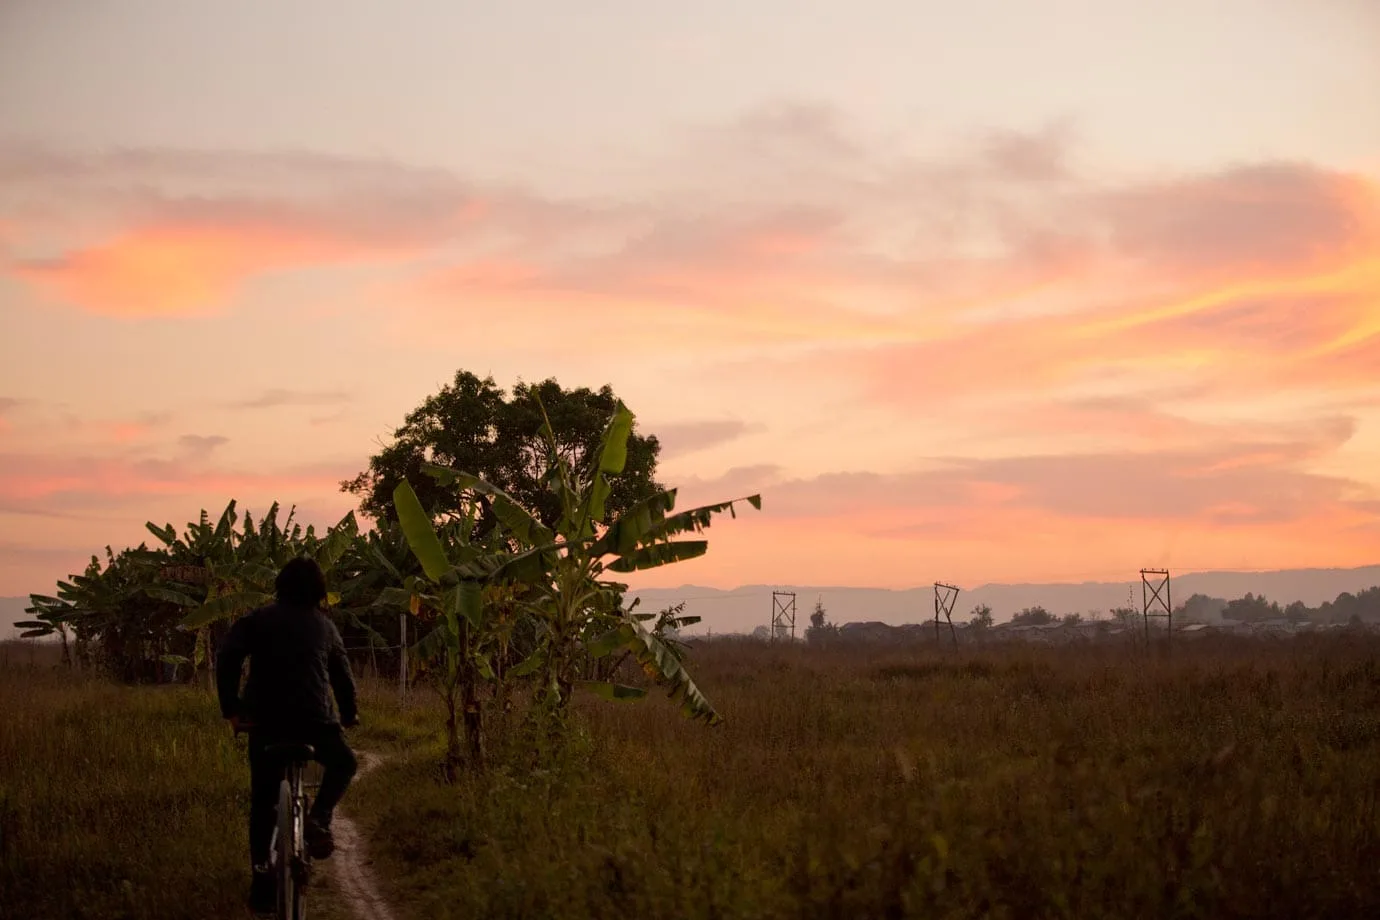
[474, 722]
[452, 762]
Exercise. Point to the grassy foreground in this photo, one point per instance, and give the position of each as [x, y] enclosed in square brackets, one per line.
[1239, 779]
[116, 802]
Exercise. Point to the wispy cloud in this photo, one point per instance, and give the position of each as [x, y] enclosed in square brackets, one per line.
[679, 438]
[1260, 479]
[84, 483]
[187, 229]
[118, 431]
[329, 418]
[278, 397]
[199, 445]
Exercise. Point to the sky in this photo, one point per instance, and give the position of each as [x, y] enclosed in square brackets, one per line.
[972, 292]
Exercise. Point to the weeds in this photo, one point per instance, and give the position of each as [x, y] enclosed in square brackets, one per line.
[1233, 779]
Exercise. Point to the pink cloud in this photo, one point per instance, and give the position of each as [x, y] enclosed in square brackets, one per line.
[1223, 504]
[175, 252]
[36, 483]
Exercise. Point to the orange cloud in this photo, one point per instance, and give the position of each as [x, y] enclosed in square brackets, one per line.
[191, 228]
[175, 270]
[1304, 331]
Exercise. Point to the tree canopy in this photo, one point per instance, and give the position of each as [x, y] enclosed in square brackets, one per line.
[1033, 616]
[473, 425]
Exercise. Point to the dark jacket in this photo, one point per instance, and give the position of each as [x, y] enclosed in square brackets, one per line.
[296, 658]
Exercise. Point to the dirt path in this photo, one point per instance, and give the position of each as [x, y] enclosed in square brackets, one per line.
[350, 866]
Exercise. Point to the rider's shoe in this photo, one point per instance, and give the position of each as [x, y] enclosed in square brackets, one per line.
[319, 840]
[263, 891]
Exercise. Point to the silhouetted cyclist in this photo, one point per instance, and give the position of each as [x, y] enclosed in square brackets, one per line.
[296, 658]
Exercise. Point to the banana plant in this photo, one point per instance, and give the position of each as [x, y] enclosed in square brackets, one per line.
[665, 626]
[238, 570]
[563, 568]
[448, 594]
[114, 609]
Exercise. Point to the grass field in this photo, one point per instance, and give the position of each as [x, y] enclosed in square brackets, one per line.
[115, 802]
[1238, 779]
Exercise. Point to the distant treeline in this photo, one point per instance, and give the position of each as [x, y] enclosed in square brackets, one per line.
[1363, 606]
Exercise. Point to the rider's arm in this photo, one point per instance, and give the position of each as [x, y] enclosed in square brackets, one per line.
[228, 663]
[342, 680]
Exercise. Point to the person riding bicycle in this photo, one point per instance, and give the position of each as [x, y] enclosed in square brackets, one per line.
[296, 658]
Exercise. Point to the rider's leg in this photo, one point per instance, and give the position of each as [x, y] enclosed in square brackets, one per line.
[339, 766]
[265, 773]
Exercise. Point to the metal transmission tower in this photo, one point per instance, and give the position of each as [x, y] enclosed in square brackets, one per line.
[944, 598]
[782, 614]
[1155, 600]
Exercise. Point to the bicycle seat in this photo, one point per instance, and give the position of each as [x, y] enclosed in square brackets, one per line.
[292, 751]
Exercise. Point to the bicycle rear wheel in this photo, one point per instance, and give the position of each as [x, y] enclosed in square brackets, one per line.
[288, 896]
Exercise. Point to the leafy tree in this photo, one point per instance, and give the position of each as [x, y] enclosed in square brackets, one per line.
[375, 560]
[1252, 609]
[150, 607]
[820, 629]
[1200, 609]
[1128, 617]
[981, 617]
[1071, 619]
[1363, 606]
[472, 425]
[560, 569]
[1297, 612]
[120, 620]
[1032, 616]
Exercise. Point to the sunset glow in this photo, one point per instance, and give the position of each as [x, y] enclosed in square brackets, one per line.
[949, 329]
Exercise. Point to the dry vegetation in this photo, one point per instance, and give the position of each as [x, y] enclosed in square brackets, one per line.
[1236, 779]
[115, 801]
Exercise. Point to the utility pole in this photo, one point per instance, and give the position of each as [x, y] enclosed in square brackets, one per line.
[1155, 601]
[944, 598]
[782, 613]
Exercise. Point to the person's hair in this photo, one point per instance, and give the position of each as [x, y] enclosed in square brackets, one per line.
[301, 583]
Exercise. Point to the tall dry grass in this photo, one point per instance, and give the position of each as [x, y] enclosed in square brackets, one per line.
[116, 802]
[1233, 779]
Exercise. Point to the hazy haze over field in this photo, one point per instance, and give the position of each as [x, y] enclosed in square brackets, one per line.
[982, 292]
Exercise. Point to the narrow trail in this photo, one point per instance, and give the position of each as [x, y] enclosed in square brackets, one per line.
[351, 869]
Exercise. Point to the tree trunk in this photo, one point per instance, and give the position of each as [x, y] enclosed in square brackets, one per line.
[452, 737]
[474, 722]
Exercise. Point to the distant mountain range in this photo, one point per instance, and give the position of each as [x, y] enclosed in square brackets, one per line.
[745, 608]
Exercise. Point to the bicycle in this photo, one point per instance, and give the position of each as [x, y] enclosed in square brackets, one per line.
[288, 855]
